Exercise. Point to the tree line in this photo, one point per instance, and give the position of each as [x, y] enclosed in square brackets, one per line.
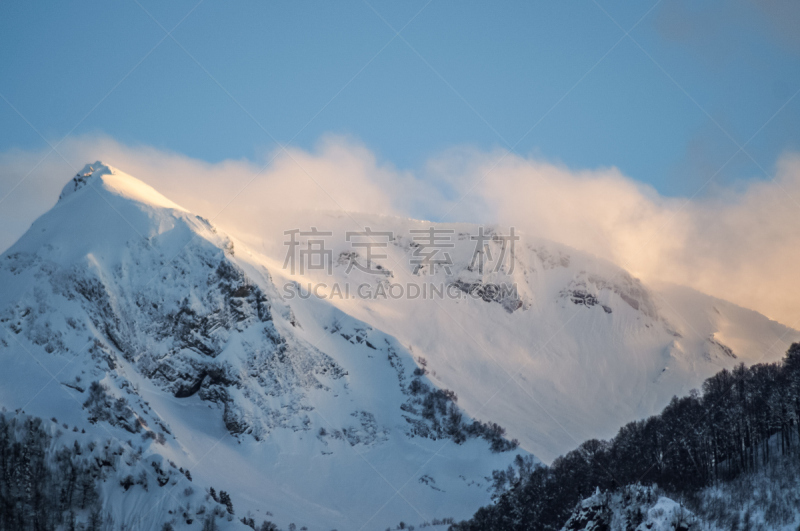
[40, 490]
[742, 419]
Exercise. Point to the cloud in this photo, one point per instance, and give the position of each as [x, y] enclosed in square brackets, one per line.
[742, 244]
[339, 175]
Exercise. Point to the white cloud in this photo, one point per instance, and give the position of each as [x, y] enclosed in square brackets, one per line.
[742, 244]
[338, 175]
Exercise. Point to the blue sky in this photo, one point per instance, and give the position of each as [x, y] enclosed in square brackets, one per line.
[668, 105]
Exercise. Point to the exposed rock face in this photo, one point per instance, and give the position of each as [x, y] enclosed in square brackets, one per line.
[429, 411]
[195, 324]
[505, 295]
[587, 290]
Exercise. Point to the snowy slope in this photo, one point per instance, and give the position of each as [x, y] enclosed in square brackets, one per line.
[301, 412]
[583, 349]
[331, 412]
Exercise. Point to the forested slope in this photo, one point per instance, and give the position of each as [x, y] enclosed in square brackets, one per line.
[742, 422]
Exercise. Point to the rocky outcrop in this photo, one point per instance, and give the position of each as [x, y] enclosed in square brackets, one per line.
[504, 294]
[586, 289]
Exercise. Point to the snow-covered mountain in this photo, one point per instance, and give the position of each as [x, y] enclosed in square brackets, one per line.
[126, 315]
[578, 349]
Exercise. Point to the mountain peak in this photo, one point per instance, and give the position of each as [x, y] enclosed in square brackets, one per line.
[101, 176]
[83, 177]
